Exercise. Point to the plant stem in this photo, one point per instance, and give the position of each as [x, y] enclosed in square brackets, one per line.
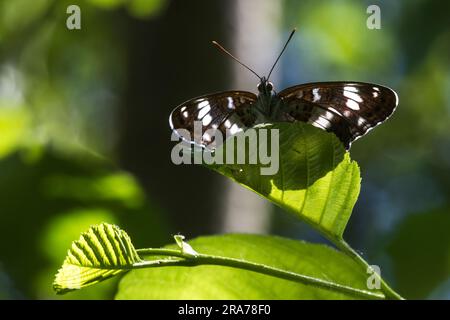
[348, 250]
[204, 259]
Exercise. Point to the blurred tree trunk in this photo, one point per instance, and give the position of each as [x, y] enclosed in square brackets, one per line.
[256, 42]
[171, 60]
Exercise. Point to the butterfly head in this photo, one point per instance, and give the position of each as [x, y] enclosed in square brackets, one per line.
[265, 87]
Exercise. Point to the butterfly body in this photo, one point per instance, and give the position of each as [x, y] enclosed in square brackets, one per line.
[266, 102]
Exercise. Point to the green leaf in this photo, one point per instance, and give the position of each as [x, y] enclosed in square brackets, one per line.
[100, 253]
[221, 282]
[316, 180]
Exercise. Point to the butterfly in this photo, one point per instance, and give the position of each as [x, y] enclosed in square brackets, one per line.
[346, 108]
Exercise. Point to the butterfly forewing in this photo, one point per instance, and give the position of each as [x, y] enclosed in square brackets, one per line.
[349, 109]
[229, 112]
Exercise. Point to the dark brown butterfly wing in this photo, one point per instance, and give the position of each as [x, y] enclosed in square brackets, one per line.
[349, 109]
[230, 110]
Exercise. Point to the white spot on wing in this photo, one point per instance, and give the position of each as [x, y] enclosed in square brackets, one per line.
[353, 96]
[204, 111]
[206, 120]
[323, 122]
[316, 95]
[230, 103]
[334, 110]
[352, 104]
[351, 89]
[203, 104]
[185, 114]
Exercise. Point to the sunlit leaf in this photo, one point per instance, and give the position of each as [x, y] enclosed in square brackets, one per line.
[316, 180]
[219, 282]
[56, 237]
[100, 253]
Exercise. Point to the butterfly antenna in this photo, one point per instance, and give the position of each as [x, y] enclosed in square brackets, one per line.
[279, 56]
[236, 59]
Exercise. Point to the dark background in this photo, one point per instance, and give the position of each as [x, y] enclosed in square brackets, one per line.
[84, 133]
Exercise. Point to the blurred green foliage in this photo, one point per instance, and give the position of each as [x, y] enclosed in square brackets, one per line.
[48, 202]
[405, 163]
[344, 44]
[58, 108]
[428, 253]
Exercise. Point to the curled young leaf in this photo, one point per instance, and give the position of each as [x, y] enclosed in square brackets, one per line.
[100, 253]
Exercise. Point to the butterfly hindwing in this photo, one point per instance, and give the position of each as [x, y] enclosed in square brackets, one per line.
[229, 110]
[349, 109]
